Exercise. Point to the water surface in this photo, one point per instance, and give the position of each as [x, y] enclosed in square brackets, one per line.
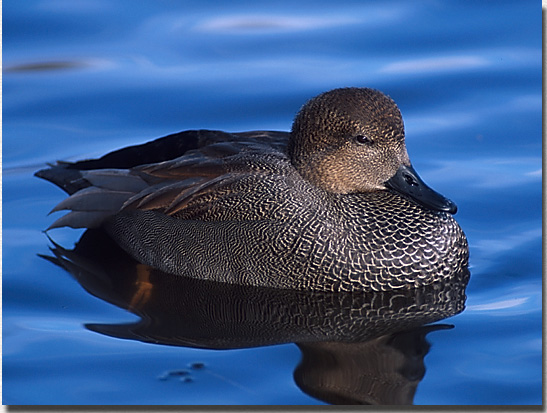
[85, 77]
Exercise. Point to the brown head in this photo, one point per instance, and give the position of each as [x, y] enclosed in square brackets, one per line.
[353, 140]
[348, 140]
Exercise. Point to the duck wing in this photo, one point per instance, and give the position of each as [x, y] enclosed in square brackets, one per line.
[202, 176]
[211, 164]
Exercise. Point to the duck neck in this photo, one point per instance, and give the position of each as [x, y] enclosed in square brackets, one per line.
[320, 170]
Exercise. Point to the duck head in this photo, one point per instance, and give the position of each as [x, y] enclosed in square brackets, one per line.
[352, 140]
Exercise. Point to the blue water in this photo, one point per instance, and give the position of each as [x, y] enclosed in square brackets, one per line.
[83, 77]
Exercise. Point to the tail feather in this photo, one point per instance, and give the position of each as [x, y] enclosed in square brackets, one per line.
[69, 180]
[95, 195]
[94, 199]
[81, 219]
[115, 180]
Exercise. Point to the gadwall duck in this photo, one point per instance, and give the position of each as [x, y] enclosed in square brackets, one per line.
[334, 205]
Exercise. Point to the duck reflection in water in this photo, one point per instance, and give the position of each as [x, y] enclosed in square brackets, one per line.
[365, 348]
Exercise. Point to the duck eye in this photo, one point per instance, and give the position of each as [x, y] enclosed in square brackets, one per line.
[362, 139]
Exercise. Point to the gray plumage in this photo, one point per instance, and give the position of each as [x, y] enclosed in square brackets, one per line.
[313, 209]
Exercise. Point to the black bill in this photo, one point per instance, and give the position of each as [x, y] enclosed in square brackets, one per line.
[407, 182]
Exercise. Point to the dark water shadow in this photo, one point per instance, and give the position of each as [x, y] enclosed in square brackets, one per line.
[46, 66]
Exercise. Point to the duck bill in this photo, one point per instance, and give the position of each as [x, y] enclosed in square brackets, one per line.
[408, 183]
